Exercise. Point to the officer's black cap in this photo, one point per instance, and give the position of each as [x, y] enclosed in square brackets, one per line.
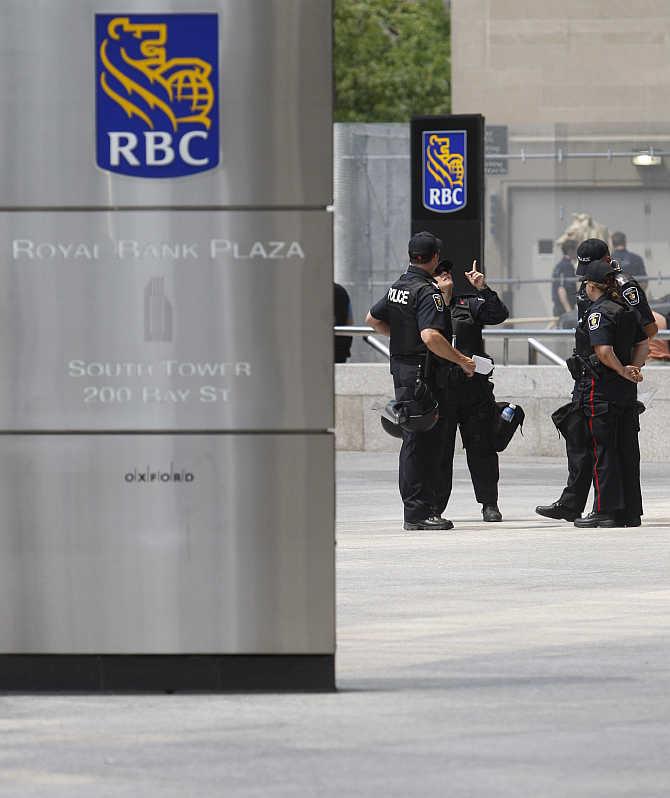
[590, 250]
[422, 246]
[598, 271]
[444, 266]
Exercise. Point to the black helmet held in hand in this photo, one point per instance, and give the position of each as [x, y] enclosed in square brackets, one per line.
[390, 427]
[419, 414]
[414, 415]
[411, 416]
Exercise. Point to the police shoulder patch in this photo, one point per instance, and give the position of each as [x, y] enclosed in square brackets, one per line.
[439, 302]
[594, 321]
[631, 295]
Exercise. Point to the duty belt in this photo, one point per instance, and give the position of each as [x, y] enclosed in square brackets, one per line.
[584, 366]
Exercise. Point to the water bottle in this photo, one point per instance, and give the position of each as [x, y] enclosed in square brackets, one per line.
[508, 413]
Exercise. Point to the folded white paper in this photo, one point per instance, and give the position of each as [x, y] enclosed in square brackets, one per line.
[482, 365]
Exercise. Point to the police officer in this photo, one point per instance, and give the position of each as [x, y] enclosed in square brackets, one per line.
[470, 403]
[416, 317]
[613, 348]
[630, 262]
[569, 419]
[563, 287]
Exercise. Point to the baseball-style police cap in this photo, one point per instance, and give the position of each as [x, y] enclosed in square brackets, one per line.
[422, 246]
[444, 266]
[598, 271]
[592, 249]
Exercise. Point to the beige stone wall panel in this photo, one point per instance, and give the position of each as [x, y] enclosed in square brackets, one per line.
[518, 61]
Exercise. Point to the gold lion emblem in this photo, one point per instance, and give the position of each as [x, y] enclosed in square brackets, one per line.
[447, 168]
[146, 83]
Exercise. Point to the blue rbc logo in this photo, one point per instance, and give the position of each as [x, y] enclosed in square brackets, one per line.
[444, 170]
[157, 104]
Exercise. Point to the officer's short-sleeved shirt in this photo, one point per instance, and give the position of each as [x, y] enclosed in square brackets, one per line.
[413, 304]
[601, 325]
[631, 293]
[630, 262]
[562, 270]
[431, 312]
[635, 297]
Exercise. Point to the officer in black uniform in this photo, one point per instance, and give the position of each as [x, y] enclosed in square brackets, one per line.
[612, 346]
[470, 402]
[569, 419]
[416, 317]
[630, 262]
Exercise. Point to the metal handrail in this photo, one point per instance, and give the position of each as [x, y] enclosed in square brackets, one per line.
[360, 329]
[377, 345]
[489, 331]
[530, 335]
[525, 332]
[519, 282]
[534, 346]
[559, 154]
[645, 278]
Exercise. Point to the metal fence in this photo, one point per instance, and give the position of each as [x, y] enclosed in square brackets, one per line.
[535, 183]
[527, 336]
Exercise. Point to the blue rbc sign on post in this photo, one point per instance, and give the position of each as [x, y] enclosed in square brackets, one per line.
[157, 103]
[444, 155]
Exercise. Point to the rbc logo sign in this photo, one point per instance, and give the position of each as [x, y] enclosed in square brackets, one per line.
[157, 107]
[444, 178]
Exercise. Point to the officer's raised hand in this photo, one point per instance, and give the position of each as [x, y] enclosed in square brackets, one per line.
[475, 277]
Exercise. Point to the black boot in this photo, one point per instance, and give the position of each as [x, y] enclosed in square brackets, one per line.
[490, 512]
[434, 522]
[593, 520]
[557, 511]
[628, 520]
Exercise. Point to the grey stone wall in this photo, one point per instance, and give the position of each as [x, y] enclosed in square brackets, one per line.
[538, 389]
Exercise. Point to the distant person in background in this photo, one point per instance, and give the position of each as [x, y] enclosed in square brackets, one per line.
[344, 316]
[659, 350]
[630, 262]
[564, 287]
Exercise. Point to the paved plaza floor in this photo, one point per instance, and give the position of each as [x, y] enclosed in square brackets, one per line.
[526, 658]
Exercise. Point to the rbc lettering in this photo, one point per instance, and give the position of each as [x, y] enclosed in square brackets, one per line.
[157, 149]
[446, 196]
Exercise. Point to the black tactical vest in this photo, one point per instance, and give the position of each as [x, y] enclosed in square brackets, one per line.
[401, 306]
[467, 331]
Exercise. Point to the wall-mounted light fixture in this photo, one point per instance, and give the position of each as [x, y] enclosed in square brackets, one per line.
[647, 158]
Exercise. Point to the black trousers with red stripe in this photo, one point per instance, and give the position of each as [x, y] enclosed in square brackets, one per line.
[611, 439]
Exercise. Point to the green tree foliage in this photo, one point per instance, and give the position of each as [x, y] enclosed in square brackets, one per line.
[392, 59]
